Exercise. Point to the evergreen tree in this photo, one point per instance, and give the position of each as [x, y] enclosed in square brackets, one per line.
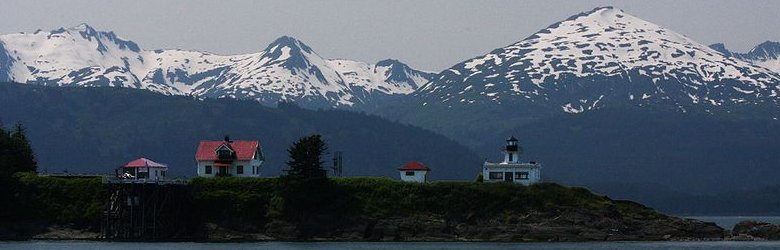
[5, 152]
[16, 153]
[306, 190]
[24, 156]
[306, 159]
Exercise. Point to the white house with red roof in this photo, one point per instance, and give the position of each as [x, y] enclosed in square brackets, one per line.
[414, 172]
[143, 169]
[239, 158]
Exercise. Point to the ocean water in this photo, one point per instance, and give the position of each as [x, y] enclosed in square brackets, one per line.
[86, 245]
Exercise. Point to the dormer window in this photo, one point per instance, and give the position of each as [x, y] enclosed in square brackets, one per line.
[225, 152]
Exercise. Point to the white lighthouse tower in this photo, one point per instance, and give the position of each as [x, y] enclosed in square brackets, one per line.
[511, 169]
[511, 151]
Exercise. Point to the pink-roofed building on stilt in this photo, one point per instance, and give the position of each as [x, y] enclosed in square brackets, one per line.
[143, 169]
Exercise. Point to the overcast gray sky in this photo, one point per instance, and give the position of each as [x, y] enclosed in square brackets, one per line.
[430, 35]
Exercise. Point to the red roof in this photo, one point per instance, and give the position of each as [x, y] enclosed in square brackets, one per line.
[144, 163]
[245, 150]
[413, 165]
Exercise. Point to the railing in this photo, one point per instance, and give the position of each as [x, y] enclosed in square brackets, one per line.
[74, 175]
[503, 164]
[117, 180]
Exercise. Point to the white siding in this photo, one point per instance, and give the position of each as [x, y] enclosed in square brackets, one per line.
[419, 176]
[233, 169]
[155, 174]
[534, 172]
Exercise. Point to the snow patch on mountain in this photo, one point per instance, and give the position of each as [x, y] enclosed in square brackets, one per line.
[286, 70]
[598, 57]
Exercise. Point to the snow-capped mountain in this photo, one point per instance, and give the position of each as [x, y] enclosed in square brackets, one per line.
[76, 56]
[600, 57]
[766, 54]
[286, 70]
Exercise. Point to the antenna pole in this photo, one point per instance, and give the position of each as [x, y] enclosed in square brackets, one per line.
[338, 167]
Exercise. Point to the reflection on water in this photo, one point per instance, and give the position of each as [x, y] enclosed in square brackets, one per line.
[74, 245]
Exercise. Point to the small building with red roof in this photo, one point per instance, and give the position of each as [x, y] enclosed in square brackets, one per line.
[242, 158]
[144, 169]
[414, 171]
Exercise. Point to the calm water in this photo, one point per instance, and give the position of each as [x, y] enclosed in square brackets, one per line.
[79, 245]
[728, 222]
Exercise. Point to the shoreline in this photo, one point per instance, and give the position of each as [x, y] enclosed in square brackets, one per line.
[730, 239]
[65, 234]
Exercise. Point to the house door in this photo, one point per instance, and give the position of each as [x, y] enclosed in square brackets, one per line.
[223, 171]
[509, 176]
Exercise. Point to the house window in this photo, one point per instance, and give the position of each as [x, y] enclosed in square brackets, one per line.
[521, 175]
[409, 173]
[511, 155]
[496, 175]
[240, 169]
[208, 169]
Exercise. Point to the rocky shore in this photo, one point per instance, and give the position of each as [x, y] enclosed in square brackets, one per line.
[755, 230]
[570, 226]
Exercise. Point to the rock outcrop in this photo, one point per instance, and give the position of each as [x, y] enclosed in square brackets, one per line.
[756, 230]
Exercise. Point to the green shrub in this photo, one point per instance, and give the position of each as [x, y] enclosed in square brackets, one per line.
[57, 200]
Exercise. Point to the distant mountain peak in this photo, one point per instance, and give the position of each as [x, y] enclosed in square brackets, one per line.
[390, 62]
[290, 53]
[89, 33]
[608, 7]
[600, 15]
[397, 71]
[767, 49]
[596, 12]
[768, 44]
[720, 47]
[288, 42]
[766, 54]
[83, 27]
[598, 58]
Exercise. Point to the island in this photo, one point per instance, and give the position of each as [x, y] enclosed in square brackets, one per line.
[350, 209]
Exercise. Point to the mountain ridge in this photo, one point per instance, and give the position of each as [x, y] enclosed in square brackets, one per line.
[286, 70]
[765, 54]
[114, 125]
[602, 57]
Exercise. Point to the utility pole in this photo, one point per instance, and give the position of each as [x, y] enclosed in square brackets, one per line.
[338, 167]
